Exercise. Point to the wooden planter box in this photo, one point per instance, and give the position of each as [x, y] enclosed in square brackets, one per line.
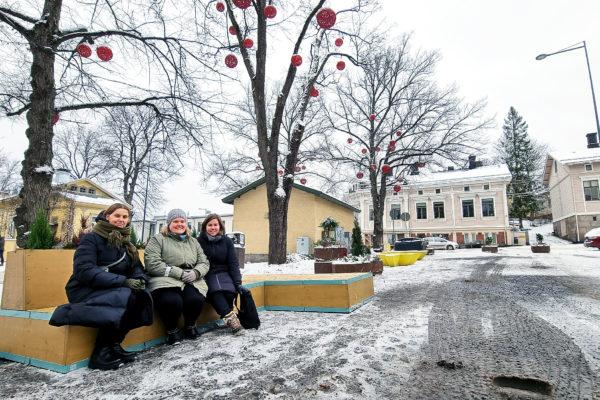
[327, 267]
[490, 249]
[540, 248]
[330, 253]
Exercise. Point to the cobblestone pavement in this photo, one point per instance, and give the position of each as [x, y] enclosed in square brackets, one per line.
[443, 331]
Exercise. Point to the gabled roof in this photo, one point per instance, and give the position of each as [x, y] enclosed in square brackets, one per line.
[486, 173]
[229, 199]
[576, 157]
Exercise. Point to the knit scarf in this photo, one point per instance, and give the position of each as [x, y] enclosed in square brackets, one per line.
[213, 238]
[117, 237]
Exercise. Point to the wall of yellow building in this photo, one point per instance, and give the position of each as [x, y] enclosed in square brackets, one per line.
[305, 213]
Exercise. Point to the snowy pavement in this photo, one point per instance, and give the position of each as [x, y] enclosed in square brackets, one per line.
[443, 328]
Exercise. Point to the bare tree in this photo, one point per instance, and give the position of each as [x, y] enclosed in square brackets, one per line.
[316, 45]
[80, 151]
[9, 174]
[159, 56]
[393, 119]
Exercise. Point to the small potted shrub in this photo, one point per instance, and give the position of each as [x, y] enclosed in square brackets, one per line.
[489, 247]
[327, 248]
[540, 246]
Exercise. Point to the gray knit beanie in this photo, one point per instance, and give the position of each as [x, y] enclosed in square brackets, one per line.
[176, 213]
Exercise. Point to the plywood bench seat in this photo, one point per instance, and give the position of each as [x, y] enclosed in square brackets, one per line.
[28, 338]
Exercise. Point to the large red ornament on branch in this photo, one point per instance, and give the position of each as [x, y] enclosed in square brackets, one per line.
[243, 4]
[220, 6]
[55, 118]
[84, 50]
[248, 43]
[386, 169]
[231, 60]
[340, 65]
[104, 53]
[303, 181]
[314, 92]
[397, 188]
[372, 117]
[349, 140]
[270, 11]
[364, 151]
[326, 18]
[399, 133]
[373, 167]
[296, 60]
[360, 175]
[232, 30]
[339, 42]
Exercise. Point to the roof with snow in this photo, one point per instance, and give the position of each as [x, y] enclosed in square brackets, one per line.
[486, 173]
[229, 199]
[575, 157]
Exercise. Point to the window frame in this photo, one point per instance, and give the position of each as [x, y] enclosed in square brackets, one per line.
[443, 214]
[466, 188]
[462, 204]
[493, 207]
[597, 186]
[422, 206]
[585, 167]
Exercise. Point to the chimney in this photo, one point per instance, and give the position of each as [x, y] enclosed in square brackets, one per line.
[451, 168]
[592, 140]
[61, 176]
[472, 163]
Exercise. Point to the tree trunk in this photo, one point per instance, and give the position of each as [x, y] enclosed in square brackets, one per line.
[37, 184]
[278, 214]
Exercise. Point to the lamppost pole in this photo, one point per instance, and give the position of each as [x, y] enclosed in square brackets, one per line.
[587, 60]
[146, 196]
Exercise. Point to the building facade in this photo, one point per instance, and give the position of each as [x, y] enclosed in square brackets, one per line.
[572, 179]
[461, 205]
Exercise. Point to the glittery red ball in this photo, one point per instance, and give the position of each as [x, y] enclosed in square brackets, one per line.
[339, 42]
[84, 50]
[296, 60]
[386, 169]
[104, 53]
[364, 151]
[55, 118]
[231, 60]
[349, 140]
[303, 181]
[326, 18]
[373, 167]
[360, 175]
[270, 11]
[340, 65]
[248, 43]
[220, 7]
[232, 30]
[314, 92]
[397, 188]
[372, 117]
[243, 4]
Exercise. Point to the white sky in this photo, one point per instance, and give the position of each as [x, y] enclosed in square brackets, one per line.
[488, 50]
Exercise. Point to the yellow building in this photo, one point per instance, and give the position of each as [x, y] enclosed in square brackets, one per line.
[69, 202]
[307, 210]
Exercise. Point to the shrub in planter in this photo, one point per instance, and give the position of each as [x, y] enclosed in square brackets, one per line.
[489, 247]
[358, 248]
[540, 247]
[40, 236]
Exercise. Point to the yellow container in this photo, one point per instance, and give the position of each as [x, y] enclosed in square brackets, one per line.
[394, 259]
[422, 253]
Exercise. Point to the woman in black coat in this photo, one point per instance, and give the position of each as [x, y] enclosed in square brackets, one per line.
[107, 288]
[223, 278]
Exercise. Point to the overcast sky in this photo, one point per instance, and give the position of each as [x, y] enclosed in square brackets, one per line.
[488, 50]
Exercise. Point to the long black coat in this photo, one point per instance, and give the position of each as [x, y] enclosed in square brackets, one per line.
[224, 272]
[97, 297]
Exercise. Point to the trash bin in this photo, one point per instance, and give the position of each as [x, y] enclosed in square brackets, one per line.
[239, 243]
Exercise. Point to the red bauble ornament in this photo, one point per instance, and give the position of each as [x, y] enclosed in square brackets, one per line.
[248, 43]
[397, 188]
[373, 167]
[386, 169]
[270, 11]
[220, 6]
[377, 148]
[364, 151]
[399, 133]
[349, 140]
[55, 118]
[297, 169]
[303, 167]
[243, 4]
[84, 50]
[296, 60]
[303, 181]
[104, 53]
[326, 18]
[232, 30]
[231, 60]
[372, 117]
[339, 42]
[280, 172]
[340, 65]
[314, 92]
[360, 175]
[392, 144]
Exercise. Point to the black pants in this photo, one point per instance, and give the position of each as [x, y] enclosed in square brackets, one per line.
[222, 301]
[170, 303]
[129, 320]
[1, 256]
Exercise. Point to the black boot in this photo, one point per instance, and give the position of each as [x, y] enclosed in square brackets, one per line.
[190, 332]
[175, 336]
[126, 356]
[104, 358]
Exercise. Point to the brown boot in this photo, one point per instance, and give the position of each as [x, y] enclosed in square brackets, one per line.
[232, 321]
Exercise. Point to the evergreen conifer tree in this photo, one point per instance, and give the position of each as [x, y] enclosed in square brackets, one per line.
[40, 236]
[134, 239]
[358, 248]
[522, 157]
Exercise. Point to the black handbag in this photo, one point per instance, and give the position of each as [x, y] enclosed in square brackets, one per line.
[247, 313]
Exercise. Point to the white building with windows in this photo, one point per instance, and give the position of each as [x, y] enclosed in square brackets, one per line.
[573, 181]
[464, 205]
[153, 226]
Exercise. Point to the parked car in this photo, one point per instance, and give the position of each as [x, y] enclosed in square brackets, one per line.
[592, 238]
[410, 243]
[434, 242]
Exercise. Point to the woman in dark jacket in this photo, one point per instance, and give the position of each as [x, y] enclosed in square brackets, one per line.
[223, 278]
[107, 288]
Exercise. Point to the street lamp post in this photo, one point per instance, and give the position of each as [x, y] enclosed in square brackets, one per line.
[587, 59]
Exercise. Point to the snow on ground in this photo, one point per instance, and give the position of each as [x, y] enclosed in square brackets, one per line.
[387, 348]
[547, 231]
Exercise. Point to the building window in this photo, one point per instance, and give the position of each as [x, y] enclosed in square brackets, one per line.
[438, 191]
[82, 190]
[421, 210]
[468, 209]
[371, 214]
[486, 186]
[467, 188]
[590, 190]
[395, 211]
[419, 192]
[91, 191]
[438, 209]
[487, 207]
[73, 188]
[588, 167]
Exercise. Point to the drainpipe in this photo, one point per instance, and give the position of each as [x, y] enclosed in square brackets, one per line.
[575, 210]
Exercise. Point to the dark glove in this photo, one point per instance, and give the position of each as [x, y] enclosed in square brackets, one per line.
[135, 284]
